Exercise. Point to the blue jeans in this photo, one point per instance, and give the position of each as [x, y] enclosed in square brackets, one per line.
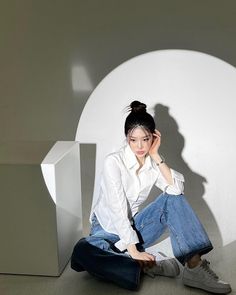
[171, 212]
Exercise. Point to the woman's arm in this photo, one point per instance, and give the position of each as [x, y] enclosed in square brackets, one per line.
[163, 167]
[153, 152]
[171, 181]
[118, 210]
[116, 201]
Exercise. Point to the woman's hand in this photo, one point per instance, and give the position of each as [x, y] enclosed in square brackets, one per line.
[143, 258]
[155, 144]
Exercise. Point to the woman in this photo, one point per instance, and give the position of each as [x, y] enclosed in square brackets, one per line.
[115, 248]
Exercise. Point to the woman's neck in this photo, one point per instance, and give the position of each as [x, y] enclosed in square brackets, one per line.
[141, 161]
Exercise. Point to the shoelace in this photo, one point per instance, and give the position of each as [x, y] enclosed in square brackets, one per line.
[205, 265]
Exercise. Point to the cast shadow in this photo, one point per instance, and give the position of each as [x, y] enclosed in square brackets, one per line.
[172, 145]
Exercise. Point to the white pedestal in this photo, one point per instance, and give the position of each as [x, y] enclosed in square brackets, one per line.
[39, 223]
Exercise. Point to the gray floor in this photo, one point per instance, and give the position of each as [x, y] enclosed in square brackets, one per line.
[71, 283]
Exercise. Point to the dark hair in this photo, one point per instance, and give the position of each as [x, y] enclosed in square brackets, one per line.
[139, 117]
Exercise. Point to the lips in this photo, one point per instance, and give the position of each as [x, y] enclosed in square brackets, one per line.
[140, 152]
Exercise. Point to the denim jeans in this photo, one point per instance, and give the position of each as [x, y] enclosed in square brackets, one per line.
[171, 212]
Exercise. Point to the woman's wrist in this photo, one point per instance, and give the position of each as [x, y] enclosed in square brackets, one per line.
[132, 249]
[158, 159]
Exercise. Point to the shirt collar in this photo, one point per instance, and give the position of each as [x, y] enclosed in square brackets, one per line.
[132, 161]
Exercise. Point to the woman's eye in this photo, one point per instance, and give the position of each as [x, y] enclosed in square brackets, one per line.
[146, 139]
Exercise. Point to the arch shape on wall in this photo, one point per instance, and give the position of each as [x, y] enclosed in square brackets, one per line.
[192, 97]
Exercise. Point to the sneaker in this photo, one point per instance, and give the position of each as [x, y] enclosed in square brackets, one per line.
[204, 278]
[165, 266]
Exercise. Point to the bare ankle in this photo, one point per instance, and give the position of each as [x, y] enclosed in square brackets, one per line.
[194, 261]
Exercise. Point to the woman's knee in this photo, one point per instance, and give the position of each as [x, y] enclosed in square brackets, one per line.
[168, 199]
[98, 242]
[180, 200]
[178, 197]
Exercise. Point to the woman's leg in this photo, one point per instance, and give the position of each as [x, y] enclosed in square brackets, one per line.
[188, 237]
[150, 223]
[187, 234]
[106, 265]
[97, 255]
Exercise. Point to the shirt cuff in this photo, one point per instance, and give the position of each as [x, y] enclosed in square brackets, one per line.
[177, 188]
[122, 245]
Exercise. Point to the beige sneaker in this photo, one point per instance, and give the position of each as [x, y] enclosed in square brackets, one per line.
[202, 277]
[165, 266]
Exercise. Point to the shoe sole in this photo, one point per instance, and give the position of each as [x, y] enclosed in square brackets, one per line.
[194, 284]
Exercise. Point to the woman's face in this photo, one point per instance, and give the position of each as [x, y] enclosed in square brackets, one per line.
[140, 141]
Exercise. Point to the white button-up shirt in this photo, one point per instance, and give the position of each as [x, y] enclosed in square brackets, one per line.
[122, 191]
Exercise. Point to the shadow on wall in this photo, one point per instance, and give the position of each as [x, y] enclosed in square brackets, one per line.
[171, 148]
[88, 159]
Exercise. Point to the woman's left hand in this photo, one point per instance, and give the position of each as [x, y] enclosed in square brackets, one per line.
[156, 143]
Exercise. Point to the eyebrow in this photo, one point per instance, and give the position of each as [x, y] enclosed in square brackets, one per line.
[141, 137]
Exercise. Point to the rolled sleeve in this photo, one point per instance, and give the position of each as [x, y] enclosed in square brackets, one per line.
[177, 188]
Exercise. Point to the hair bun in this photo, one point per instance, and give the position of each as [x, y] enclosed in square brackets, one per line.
[137, 107]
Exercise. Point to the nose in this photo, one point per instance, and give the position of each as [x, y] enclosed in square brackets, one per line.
[140, 145]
